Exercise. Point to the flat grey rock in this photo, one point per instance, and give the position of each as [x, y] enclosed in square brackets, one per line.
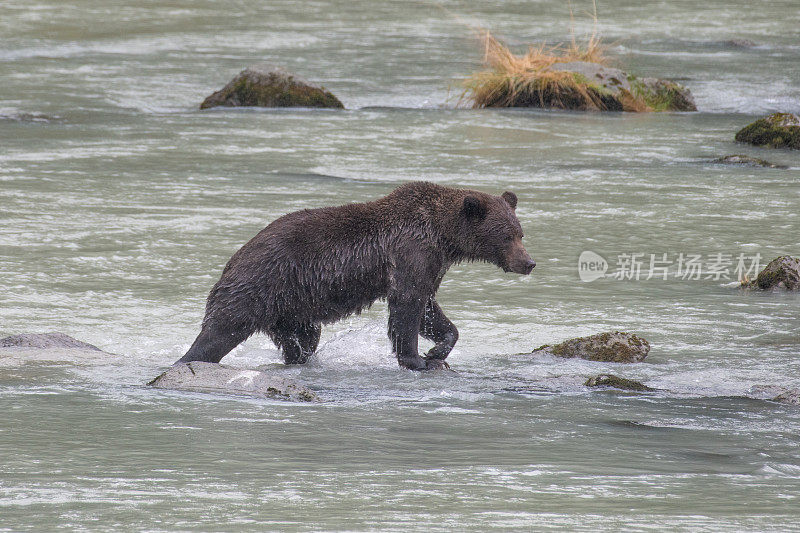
[745, 161]
[221, 379]
[45, 341]
[50, 348]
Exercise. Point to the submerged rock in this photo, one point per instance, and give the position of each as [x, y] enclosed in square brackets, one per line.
[780, 273]
[745, 160]
[775, 393]
[213, 378]
[616, 382]
[779, 130]
[45, 341]
[50, 348]
[607, 89]
[268, 86]
[740, 43]
[790, 396]
[615, 347]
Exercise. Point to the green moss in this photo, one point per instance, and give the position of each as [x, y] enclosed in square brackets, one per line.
[274, 89]
[580, 78]
[661, 96]
[579, 92]
[766, 280]
[616, 382]
[771, 132]
[784, 269]
[605, 347]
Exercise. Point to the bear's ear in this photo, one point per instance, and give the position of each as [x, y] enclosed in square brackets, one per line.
[510, 198]
[474, 208]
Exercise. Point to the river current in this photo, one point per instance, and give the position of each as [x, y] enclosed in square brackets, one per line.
[120, 202]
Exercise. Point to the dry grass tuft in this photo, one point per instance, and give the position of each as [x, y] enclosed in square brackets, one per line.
[533, 79]
[529, 80]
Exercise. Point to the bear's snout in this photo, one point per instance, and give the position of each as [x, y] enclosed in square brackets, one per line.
[529, 266]
[518, 260]
[523, 267]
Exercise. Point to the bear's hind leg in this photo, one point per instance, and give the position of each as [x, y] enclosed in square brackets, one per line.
[438, 328]
[297, 343]
[214, 343]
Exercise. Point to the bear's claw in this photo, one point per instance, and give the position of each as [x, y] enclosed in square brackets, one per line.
[436, 364]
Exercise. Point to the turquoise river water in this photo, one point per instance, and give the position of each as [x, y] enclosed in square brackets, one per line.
[120, 202]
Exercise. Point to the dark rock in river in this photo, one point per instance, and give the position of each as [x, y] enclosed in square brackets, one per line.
[616, 347]
[617, 90]
[781, 273]
[740, 43]
[214, 378]
[268, 86]
[745, 160]
[616, 382]
[45, 341]
[779, 130]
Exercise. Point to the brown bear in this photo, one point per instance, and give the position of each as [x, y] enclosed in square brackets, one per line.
[317, 266]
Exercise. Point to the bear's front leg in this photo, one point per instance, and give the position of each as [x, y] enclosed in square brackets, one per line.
[297, 342]
[405, 317]
[438, 328]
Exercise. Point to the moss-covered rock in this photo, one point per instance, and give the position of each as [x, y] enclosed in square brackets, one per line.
[613, 347]
[579, 86]
[616, 382]
[779, 130]
[267, 86]
[745, 161]
[780, 273]
[662, 95]
[620, 91]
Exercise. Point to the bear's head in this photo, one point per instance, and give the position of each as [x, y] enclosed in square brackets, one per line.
[493, 233]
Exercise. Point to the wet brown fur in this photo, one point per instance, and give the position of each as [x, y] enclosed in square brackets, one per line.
[317, 266]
